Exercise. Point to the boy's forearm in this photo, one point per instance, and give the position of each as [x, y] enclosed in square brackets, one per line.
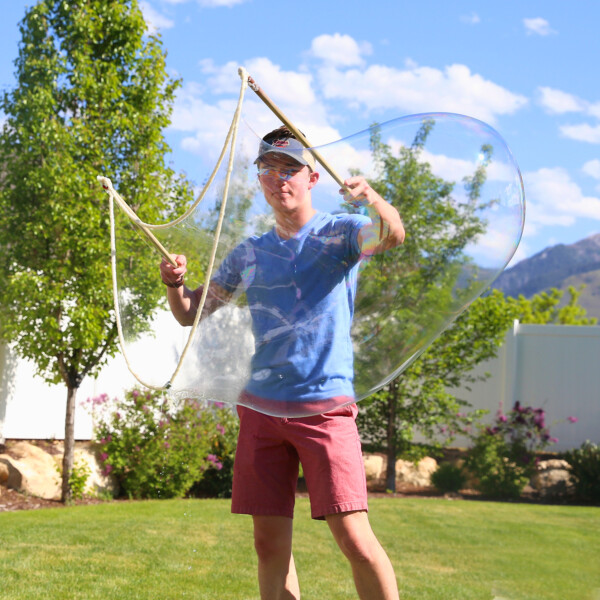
[387, 220]
[184, 303]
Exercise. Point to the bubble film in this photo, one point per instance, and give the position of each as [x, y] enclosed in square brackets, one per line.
[460, 195]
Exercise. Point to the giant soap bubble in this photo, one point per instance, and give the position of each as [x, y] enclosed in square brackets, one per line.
[460, 195]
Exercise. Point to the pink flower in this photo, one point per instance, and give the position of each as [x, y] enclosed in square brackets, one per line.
[221, 429]
[217, 464]
[103, 456]
[107, 469]
[572, 419]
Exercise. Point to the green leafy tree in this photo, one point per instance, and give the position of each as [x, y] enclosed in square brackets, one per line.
[420, 400]
[92, 97]
[405, 295]
[417, 286]
[430, 277]
[548, 308]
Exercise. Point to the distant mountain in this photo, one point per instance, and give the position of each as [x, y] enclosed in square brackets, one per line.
[558, 267]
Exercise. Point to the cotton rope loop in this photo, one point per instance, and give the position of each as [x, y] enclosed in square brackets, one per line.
[460, 195]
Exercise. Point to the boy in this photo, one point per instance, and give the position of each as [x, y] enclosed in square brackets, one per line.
[300, 281]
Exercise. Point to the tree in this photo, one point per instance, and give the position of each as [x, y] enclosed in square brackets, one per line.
[420, 400]
[405, 296]
[430, 277]
[92, 97]
[545, 308]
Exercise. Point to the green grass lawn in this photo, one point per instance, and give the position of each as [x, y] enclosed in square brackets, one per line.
[196, 549]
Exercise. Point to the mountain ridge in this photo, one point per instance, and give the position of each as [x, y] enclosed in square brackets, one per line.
[558, 267]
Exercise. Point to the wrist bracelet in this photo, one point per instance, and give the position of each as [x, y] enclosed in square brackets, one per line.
[174, 285]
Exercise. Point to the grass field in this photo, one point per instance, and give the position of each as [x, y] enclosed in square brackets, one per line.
[196, 549]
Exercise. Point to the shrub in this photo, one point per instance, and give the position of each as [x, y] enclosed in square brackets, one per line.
[448, 478]
[503, 455]
[154, 449]
[80, 474]
[585, 471]
[217, 478]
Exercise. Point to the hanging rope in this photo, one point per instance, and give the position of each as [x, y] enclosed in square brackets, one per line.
[146, 229]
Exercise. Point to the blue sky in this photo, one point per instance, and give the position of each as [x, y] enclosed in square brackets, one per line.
[527, 68]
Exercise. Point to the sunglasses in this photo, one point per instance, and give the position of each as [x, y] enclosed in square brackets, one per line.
[284, 174]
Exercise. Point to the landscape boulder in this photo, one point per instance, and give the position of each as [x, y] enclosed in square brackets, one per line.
[552, 479]
[4, 473]
[416, 474]
[31, 470]
[374, 464]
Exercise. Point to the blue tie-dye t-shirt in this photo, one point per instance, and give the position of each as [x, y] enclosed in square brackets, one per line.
[300, 293]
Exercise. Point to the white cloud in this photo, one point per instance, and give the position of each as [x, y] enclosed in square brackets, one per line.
[559, 102]
[553, 198]
[290, 88]
[594, 110]
[537, 26]
[207, 120]
[339, 50]
[154, 20]
[203, 112]
[470, 19]
[592, 168]
[420, 89]
[582, 133]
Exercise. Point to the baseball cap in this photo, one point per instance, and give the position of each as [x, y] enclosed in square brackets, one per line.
[289, 146]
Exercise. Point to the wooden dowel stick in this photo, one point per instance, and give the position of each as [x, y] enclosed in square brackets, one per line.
[297, 133]
[107, 185]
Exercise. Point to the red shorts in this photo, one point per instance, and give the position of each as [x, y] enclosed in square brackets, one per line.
[268, 453]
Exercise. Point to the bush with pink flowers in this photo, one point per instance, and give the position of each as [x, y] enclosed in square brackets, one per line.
[155, 449]
[503, 456]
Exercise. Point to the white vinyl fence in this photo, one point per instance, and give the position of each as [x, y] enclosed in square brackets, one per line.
[555, 367]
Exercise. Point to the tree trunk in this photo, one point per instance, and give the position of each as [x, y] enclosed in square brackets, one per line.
[67, 464]
[390, 473]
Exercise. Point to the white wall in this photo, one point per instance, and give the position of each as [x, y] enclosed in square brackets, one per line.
[553, 367]
[33, 409]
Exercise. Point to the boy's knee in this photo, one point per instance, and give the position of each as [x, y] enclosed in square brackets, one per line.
[267, 547]
[272, 538]
[354, 536]
[358, 549]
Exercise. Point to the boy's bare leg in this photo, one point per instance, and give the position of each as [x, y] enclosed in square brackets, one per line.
[373, 572]
[277, 578]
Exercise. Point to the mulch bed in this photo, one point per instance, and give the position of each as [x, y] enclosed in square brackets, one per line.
[11, 500]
